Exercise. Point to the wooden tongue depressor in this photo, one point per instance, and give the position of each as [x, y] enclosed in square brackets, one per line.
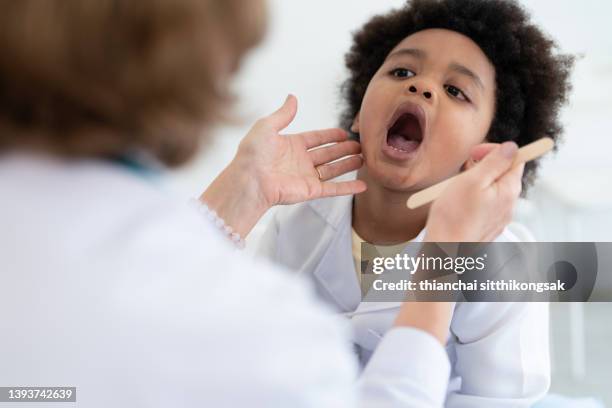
[526, 153]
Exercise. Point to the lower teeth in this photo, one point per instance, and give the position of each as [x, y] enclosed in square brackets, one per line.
[397, 149]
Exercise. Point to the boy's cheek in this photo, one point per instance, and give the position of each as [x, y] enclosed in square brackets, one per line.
[370, 139]
[447, 159]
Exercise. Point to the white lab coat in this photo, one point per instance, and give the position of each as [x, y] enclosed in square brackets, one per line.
[499, 352]
[109, 285]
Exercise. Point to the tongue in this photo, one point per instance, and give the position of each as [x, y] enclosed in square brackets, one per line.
[399, 142]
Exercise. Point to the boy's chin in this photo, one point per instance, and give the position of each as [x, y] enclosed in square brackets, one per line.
[396, 179]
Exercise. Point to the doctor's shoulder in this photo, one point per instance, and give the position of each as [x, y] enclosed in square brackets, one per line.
[230, 316]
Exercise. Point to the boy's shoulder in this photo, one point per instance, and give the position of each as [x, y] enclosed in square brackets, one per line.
[332, 211]
[516, 232]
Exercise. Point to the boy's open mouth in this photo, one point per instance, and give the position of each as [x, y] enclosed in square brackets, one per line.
[406, 134]
[406, 130]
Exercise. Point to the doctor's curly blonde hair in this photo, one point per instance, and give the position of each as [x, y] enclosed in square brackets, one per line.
[97, 78]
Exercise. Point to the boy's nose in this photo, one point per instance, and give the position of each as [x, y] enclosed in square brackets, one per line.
[426, 94]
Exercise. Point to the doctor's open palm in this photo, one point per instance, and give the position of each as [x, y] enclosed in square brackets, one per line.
[289, 169]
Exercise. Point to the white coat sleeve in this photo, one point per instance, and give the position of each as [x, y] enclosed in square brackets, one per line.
[502, 354]
[410, 368]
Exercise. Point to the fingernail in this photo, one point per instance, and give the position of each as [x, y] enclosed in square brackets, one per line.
[508, 149]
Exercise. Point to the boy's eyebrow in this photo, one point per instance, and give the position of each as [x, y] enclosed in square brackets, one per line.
[460, 69]
[420, 54]
[407, 51]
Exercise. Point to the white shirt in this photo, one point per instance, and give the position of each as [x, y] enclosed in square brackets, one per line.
[499, 351]
[109, 285]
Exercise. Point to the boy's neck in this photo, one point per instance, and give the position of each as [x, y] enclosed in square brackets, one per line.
[380, 215]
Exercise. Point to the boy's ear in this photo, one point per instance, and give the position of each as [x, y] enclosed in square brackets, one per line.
[355, 125]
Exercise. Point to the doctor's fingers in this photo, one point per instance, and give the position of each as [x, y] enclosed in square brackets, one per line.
[316, 138]
[494, 165]
[326, 154]
[283, 116]
[478, 153]
[338, 168]
[333, 189]
[510, 184]
[506, 192]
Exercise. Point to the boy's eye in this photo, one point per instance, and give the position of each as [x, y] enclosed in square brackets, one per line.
[456, 93]
[402, 73]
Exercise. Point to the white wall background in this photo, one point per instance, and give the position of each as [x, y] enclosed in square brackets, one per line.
[303, 54]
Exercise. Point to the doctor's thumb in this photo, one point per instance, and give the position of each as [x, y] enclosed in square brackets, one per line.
[496, 163]
[283, 117]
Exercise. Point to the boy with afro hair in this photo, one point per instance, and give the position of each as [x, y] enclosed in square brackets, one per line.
[432, 87]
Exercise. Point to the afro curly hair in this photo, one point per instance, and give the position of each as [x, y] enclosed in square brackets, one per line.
[532, 80]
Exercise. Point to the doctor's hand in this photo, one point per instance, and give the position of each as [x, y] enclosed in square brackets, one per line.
[271, 169]
[476, 207]
[479, 204]
[290, 169]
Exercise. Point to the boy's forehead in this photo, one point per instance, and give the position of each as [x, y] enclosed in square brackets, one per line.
[447, 48]
[440, 43]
